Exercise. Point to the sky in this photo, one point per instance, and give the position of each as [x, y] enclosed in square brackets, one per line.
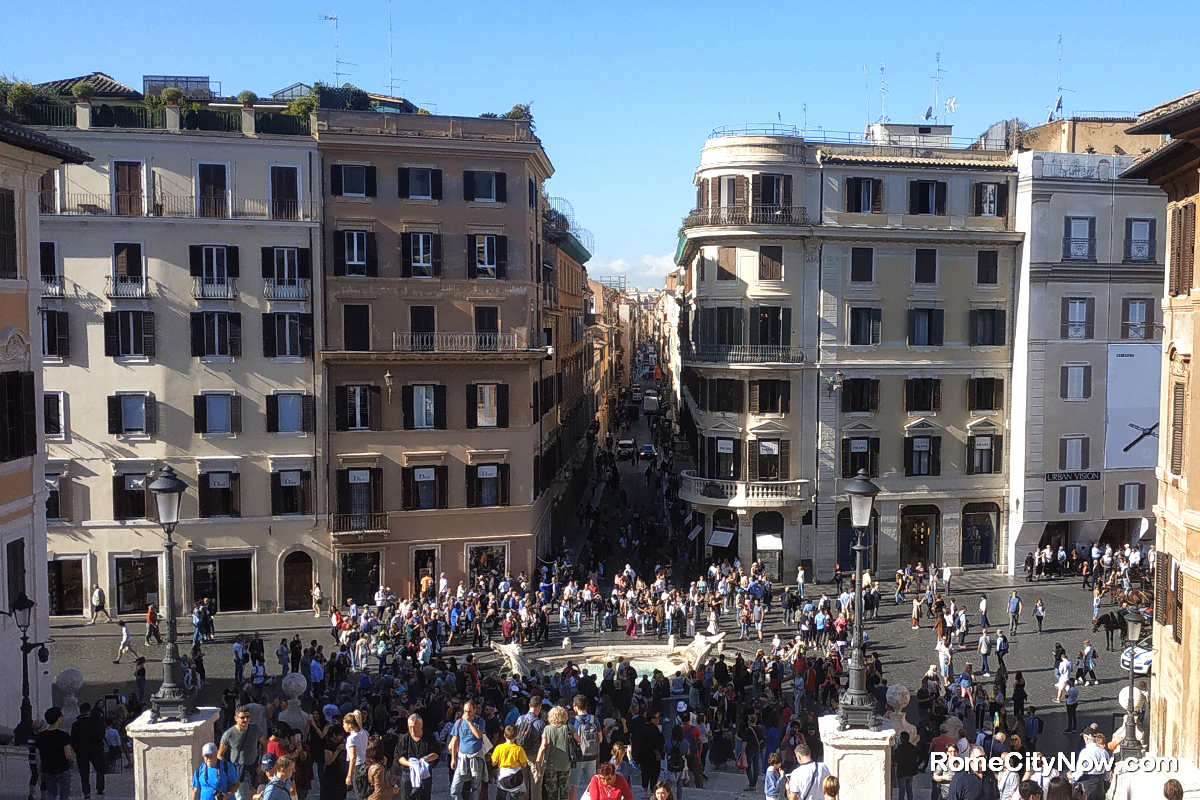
[625, 93]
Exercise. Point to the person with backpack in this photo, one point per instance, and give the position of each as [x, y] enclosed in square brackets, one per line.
[677, 758]
[279, 777]
[586, 733]
[752, 736]
[214, 779]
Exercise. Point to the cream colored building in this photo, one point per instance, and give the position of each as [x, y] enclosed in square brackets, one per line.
[177, 296]
[25, 155]
[1087, 343]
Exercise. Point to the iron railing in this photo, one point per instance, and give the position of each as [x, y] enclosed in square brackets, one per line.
[107, 116]
[926, 140]
[287, 289]
[126, 286]
[210, 120]
[1140, 249]
[54, 114]
[52, 286]
[747, 215]
[281, 124]
[695, 489]
[132, 204]
[450, 342]
[742, 353]
[214, 288]
[373, 521]
[1078, 249]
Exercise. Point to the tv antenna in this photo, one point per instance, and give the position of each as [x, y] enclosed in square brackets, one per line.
[937, 85]
[804, 113]
[337, 61]
[883, 90]
[1058, 103]
[951, 106]
[867, 93]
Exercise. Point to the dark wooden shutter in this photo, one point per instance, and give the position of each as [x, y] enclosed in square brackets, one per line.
[372, 254]
[502, 478]
[999, 326]
[442, 481]
[406, 402]
[973, 337]
[306, 335]
[472, 263]
[1089, 324]
[272, 402]
[997, 394]
[785, 397]
[276, 494]
[233, 262]
[754, 389]
[752, 460]
[936, 394]
[402, 182]
[235, 413]
[472, 480]
[343, 491]
[148, 338]
[502, 405]
[375, 408]
[785, 327]
[873, 451]
[785, 460]
[472, 406]
[268, 330]
[199, 413]
[1002, 203]
[940, 198]
[119, 496]
[908, 457]
[308, 413]
[1064, 326]
[435, 184]
[439, 407]
[268, 263]
[787, 191]
[972, 386]
[937, 326]
[341, 408]
[408, 489]
[304, 263]
[914, 197]
[873, 395]
[196, 260]
[235, 334]
[52, 410]
[935, 455]
[339, 252]
[406, 255]
[335, 179]
[1087, 381]
[756, 189]
[197, 322]
[876, 195]
[876, 325]
[1175, 256]
[737, 460]
[112, 341]
[1162, 573]
[1189, 248]
[970, 455]
[376, 488]
[501, 187]
[370, 181]
[739, 191]
[436, 252]
[910, 398]
[1178, 403]
[755, 323]
[114, 415]
[977, 199]
[997, 454]
[468, 185]
[846, 459]
[501, 256]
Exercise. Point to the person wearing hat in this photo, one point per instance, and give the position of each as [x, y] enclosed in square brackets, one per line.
[279, 773]
[214, 779]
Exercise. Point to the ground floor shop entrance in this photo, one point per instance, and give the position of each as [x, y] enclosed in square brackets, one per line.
[360, 576]
[229, 579]
[980, 523]
[137, 584]
[919, 535]
[297, 581]
[845, 542]
[768, 543]
[723, 542]
[425, 566]
[64, 579]
[486, 562]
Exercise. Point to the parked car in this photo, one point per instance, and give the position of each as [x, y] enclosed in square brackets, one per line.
[625, 448]
[1142, 657]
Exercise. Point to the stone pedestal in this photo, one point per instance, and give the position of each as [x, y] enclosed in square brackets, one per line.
[165, 754]
[861, 760]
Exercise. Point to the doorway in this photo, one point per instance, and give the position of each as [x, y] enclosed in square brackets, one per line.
[229, 580]
[360, 577]
[768, 543]
[845, 543]
[65, 583]
[297, 581]
[425, 566]
[723, 543]
[137, 584]
[919, 535]
[979, 526]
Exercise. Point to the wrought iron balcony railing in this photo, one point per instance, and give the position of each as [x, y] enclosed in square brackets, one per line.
[742, 353]
[126, 286]
[287, 289]
[214, 288]
[747, 215]
[451, 342]
[370, 522]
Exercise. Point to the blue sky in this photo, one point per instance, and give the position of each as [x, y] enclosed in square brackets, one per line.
[625, 93]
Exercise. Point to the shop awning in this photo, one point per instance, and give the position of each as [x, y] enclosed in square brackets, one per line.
[1146, 529]
[1030, 534]
[769, 541]
[695, 532]
[688, 518]
[1090, 530]
[720, 538]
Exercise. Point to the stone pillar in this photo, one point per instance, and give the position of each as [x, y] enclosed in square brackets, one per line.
[173, 117]
[248, 123]
[165, 754]
[860, 760]
[950, 532]
[745, 522]
[83, 115]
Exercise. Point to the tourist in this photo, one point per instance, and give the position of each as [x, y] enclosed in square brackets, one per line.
[87, 742]
[830, 787]
[1039, 613]
[379, 786]
[98, 606]
[55, 756]
[510, 759]
[243, 745]
[417, 754]
[356, 752]
[279, 773]
[152, 620]
[214, 779]
[554, 758]
[774, 779]
[126, 645]
[807, 780]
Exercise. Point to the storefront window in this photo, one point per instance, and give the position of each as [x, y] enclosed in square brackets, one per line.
[65, 584]
[487, 562]
[137, 584]
[360, 576]
[980, 521]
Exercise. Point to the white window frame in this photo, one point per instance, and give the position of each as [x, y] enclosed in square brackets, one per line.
[989, 199]
[62, 417]
[485, 247]
[983, 455]
[214, 322]
[725, 190]
[361, 171]
[1075, 381]
[922, 455]
[356, 252]
[424, 406]
[358, 407]
[421, 254]
[412, 194]
[214, 269]
[296, 398]
[228, 186]
[284, 323]
[129, 399]
[1073, 499]
[1136, 324]
[866, 195]
[486, 405]
[112, 182]
[487, 475]
[1077, 318]
[287, 266]
[1132, 493]
[483, 198]
[422, 476]
[214, 399]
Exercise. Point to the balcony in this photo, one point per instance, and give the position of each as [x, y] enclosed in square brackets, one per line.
[741, 494]
[126, 287]
[185, 206]
[1140, 249]
[372, 522]
[52, 286]
[214, 288]
[747, 215]
[287, 289]
[467, 342]
[1078, 249]
[742, 353]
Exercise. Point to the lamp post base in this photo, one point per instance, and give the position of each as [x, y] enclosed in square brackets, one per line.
[165, 754]
[856, 711]
[171, 703]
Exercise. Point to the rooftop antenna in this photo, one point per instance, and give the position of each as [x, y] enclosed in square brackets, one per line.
[391, 80]
[867, 93]
[882, 95]
[937, 85]
[951, 106]
[1058, 103]
[804, 112]
[337, 61]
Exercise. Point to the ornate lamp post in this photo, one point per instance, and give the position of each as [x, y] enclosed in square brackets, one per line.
[170, 701]
[22, 614]
[856, 708]
[1130, 747]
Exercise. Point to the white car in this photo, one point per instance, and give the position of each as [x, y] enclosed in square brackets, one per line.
[1142, 657]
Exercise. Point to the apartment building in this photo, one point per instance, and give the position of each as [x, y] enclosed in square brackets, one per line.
[846, 307]
[1086, 342]
[1175, 168]
[157, 348]
[25, 155]
[600, 314]
[438, 382]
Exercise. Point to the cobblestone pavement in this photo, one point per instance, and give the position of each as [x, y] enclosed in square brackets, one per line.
[906, 653]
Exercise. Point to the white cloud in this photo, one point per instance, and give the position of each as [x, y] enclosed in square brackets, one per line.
[647, 272]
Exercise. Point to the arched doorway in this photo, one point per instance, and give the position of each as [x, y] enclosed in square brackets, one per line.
[768, 543]
[845, 542]
[980, 521]
[297, 581]
[920, 535]
[724, 539]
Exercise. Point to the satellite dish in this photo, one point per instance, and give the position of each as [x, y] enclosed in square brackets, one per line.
[928, 113]
[952, 105]
[1057, 108]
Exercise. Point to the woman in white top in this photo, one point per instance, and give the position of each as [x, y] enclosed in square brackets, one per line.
[1063, 672]
[356, 745]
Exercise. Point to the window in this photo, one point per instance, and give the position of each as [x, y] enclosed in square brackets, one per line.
[983, 454]
[485, 187]
[1178, 403]
[52, 414]
[1075, 382]
[129, 333]
[862, 264]
[1078, 319]
[359, 495]
[1072, 499]
[865, 325]
[771, 326]
[860, 452]
[1079, 239]
[860, 394]
[1074, 452]
[773, 190]
[290, 412]
[1137, 318]
[1131, 497]
[356, 327]
[485, 256]
[424, 488]
[287, 335]
[132, 414]
[287, 272]
[357, 407]
[421, 255]
[987, 326]
[922, 456]
[769, 460]
[48, 267]
[424, 406]
[216, 334]
[927, 197]
[217, 413]
[48, 192]
[864, 195]
[770, 397]
[356, 252]
[487, 485]
[213, 268]
[487, 328]
[129, 496]
[926, 266]
[212, 197]
[56, 495]
[291, 492]
[8, 234]
[219, 495]
[987, 272]
[926, 327]
[985, 394]
[127, 188]
[724, 459]
[128, 277]
[770, 263]
[421, 183]
[1183, 249]
[285, 193]
[923, 395]
[727, 263]
[487, 405]
[354, 180]
[18, 416]
[725, 395]
[991, 199]
[731, 191]
[56, 338]
[1140, 244]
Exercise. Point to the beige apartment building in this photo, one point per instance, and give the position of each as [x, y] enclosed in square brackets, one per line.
[845, 308]
[1086, 343]
[158, 348]
[25, 155]
[438, 385]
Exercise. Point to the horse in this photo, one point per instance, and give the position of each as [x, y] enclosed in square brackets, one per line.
[1113, 621]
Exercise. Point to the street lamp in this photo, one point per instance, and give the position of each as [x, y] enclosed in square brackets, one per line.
[856, 708]
[170, 701]
[1130, 747]
[22, 614]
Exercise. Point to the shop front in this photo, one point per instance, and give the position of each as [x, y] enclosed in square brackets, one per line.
[920, 535]
[980, 533]
[723, 541]
[845, 542]
[768, 543]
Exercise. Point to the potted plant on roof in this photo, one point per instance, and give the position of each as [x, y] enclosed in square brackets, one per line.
[172, 95]
[248, 98]
[84, 91]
